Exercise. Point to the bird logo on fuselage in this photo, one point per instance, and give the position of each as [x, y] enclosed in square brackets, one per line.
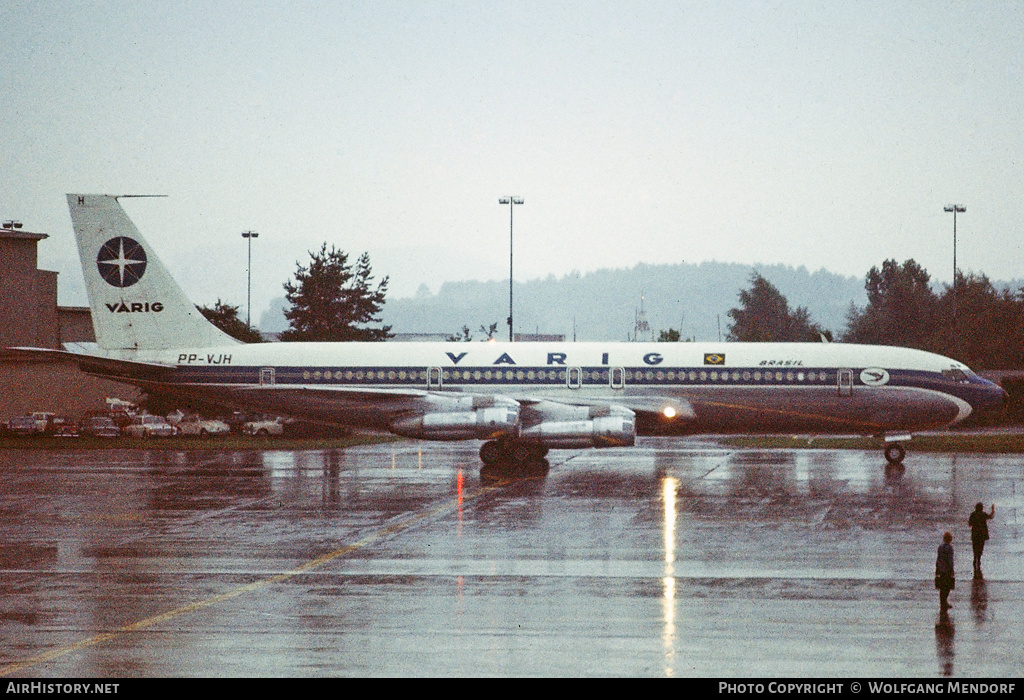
[873, 376]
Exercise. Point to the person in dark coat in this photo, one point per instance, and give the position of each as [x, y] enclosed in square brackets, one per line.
[945, 578]
[979, 533]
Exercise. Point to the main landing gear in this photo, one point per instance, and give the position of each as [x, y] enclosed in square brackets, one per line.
[511, 458]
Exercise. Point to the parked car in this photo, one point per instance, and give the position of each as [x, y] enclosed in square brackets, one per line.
[147, 426]
[122, 419]
[100, 426]
[42, 419]
[237, 420]
[22, 426]
[203, 427]
[265, 428]
[62, 426]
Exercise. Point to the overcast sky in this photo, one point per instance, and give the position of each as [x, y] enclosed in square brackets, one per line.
[818, 134]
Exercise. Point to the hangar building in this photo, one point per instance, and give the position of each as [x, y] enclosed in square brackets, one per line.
[30, 317]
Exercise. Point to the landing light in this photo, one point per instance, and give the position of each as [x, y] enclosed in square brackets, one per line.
[669, 412]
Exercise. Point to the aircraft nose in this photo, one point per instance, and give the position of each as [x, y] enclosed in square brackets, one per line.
[992, 395]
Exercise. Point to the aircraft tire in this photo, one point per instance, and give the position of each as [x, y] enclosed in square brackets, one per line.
[894, 453]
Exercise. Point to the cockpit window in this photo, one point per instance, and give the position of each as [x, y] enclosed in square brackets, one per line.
[956, 375]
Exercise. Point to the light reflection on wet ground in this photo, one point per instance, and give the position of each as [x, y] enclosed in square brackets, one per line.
[675, 558]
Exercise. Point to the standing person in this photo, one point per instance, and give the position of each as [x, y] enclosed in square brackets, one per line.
[979, 533]
[945, 578]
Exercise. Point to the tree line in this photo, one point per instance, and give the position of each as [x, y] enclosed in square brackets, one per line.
[970, 320]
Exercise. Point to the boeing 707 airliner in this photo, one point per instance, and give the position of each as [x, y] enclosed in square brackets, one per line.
[520, 399]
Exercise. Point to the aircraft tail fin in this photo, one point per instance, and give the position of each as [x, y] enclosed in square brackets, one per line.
[136, 304]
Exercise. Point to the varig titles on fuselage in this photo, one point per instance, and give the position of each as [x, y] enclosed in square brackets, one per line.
[559, 359]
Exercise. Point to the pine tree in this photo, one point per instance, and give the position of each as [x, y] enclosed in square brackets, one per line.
[902, 308]
[764, 316]
[332, 300]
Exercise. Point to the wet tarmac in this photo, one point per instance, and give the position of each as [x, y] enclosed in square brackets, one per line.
[674, 558]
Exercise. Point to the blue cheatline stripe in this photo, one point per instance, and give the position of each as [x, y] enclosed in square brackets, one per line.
[546, 376]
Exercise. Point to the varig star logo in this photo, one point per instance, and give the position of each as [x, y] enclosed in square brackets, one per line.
[714, 358]
[121, 261]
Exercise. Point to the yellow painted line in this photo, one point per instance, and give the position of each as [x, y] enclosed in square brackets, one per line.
[451, 504]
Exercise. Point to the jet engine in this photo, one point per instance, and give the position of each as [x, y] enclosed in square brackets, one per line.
[462, 418]
[560, 426]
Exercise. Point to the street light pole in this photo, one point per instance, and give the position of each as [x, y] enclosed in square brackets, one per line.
[248, 298]
[955, 208]
[511, 202]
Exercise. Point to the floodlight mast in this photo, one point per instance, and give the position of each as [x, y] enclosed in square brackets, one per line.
[955, 209]
[511, 202]
[248, 298]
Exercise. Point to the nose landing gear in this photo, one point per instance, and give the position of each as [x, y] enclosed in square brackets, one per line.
[894, 453]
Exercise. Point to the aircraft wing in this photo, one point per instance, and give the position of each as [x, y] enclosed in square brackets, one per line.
[96, 364]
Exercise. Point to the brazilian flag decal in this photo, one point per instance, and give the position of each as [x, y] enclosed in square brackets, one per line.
[714, 358]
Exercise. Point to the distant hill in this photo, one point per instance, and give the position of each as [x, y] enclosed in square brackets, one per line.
[602, 305]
